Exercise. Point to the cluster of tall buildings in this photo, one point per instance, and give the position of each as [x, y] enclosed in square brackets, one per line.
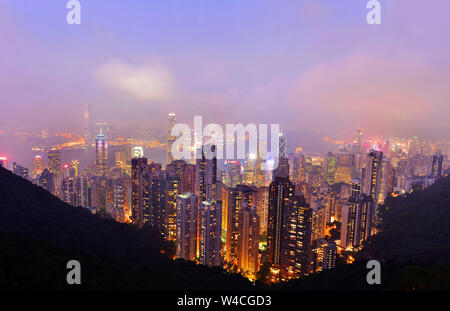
[296, 219]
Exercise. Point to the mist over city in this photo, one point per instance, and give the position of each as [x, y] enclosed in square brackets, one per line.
[226, 146]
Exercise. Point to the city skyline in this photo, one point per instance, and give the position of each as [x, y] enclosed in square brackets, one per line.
[261, 142]
[301, 68]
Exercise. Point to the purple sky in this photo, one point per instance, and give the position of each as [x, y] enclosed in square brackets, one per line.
[308, 65]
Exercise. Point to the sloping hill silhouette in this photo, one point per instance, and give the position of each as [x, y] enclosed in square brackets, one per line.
[39, 234]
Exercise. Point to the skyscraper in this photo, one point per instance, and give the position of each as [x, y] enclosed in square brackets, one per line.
[101, 154]
[38, 166]
[156, 215]
[288, 231]
[357, 215]
[139, 190]
[236, 199]
[175, 172]
[281, 191]
[262, 205]
[373, 176]
[301, 218]
[68, 190]
[82, 191]
[206, 173]
[249, 177]
[186, 240]
[331, 168]
[325, 255]
[54, 166]
[344, 167]
[170, 139]
[282, 146]
[100, 194]
[210, 229]
[436, 165]
[248, 237]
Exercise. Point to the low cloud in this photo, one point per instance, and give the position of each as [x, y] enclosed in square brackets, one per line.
[384, 94]
[142, 82]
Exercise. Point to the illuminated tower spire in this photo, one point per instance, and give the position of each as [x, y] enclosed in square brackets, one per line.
[101, 154]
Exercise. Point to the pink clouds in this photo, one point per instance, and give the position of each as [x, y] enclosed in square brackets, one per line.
[383, 93]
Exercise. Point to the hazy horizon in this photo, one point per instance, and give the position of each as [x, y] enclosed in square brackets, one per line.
[312, 66]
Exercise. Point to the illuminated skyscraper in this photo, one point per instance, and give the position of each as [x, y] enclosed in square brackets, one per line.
[156, 215]
[262, 205]
[250, 170]
[373, 175]
[101, 155]
[206, 173]
[174, 176]
[236, 199]
[344, 167]
[318, 217]
[282, 146]
[54, 162]
[299, 224]
[325, 255]
[210, 229]
[119, 199]
[385, 180]
[247, 252]
[281, 191]
[282, 170]
[188, 180]
[38, 166]
[139, 190]
[68, 190]
[288, 231]
[100, 194]
[331, 168]
[121, 160]
[186, 240]
[74, 165]
[170, 139]
[82, 191]
[357, 215]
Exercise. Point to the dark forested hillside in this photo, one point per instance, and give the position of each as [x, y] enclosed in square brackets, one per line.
[415, 228]
[39, 234]
[413, 247]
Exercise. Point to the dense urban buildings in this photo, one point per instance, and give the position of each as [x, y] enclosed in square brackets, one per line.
[277, 224]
